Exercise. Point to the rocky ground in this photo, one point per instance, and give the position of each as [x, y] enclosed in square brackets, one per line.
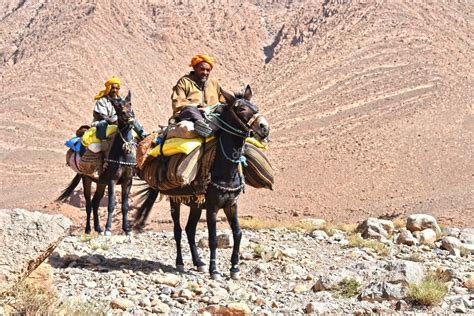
[282, 271]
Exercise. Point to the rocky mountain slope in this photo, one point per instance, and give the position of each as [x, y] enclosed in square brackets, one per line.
[370, 103]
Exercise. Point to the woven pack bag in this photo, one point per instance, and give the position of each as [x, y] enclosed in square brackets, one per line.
[90, 162]
[154, 172]
[259, 171]
[144, 147]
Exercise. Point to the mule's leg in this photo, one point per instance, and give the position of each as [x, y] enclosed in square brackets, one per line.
[126, 187]
[211, 218]
[232, 218]
[175, 208]
[110, 207]
[87, 187]
[98, 195]
[193, 219]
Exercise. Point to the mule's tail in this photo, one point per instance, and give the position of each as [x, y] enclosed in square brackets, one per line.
[68, 191]
[149, 196]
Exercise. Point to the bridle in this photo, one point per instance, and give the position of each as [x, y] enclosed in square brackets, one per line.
[129, 147]
[246, 127]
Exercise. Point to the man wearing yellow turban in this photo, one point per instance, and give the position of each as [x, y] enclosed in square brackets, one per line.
[195, 91]
[104, 112]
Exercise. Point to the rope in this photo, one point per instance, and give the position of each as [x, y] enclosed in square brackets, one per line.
[129, 147]
[232, 130]
[242, 159]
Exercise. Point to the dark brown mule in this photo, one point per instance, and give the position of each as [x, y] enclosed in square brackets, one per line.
[239, 119]
[119, 169]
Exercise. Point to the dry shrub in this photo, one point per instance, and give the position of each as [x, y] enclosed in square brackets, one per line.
[431, 290]
[355, 240]
[298, 226]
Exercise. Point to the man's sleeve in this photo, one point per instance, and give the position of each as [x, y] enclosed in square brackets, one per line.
[103, 112]
[178, 96]
[220, 96]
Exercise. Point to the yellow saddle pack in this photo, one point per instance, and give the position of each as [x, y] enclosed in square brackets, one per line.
[185, 146]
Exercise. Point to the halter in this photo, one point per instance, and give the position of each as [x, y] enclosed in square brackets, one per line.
[226, 127]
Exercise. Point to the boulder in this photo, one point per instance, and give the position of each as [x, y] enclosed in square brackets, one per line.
[450, 243]
[406, 272]
[427, 236]
[417, 222]
[27, 239]
[374, 228]
[467, 235]
[406, 237]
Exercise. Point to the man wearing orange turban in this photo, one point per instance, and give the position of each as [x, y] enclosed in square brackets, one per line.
[195, 91]
[104, 112]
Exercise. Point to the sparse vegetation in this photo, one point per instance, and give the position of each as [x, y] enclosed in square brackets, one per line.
[355, 240]
[348, 287]
[416, 257]
[88, 237]
[399, 223]
[257, 251]
[94, 241]
[27, 298]
[464, 251]
[30, 299]
[76, 307]
[297, 226]
[431, 290]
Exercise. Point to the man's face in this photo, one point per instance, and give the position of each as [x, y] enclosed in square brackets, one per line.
[114, 90]
[202, 70]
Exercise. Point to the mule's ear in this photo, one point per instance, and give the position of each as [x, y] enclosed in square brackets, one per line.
[229, 97]
[128, 98]
[247, 93]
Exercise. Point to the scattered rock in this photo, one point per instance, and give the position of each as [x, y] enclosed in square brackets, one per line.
[121, 303]
[374, 228]
[405, 237]
[450, 243]
[418, 222]
[427, 236]
[408, 272]
[469, 281]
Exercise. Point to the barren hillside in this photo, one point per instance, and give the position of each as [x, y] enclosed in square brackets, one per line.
[370, 104]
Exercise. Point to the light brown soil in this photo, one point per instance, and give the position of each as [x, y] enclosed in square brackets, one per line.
[370, 103]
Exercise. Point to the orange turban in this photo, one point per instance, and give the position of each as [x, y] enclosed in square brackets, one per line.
[108, 85]
[200, 58]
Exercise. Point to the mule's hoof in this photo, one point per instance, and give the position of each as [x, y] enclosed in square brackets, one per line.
[201, 268]
[108, 233]
[180, 267]
[235, 275]
[216, 276]
[129, 233]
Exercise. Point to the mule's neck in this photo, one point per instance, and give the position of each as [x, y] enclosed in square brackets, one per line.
[117, 151]
[225, 169]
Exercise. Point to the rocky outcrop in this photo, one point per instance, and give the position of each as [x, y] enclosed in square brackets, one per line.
[27, 239]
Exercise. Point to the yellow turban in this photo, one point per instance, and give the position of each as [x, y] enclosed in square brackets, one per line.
[200, 58]
[108, 85]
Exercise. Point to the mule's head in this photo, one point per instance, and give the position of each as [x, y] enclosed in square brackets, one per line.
[123, 108]
[247, 115]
